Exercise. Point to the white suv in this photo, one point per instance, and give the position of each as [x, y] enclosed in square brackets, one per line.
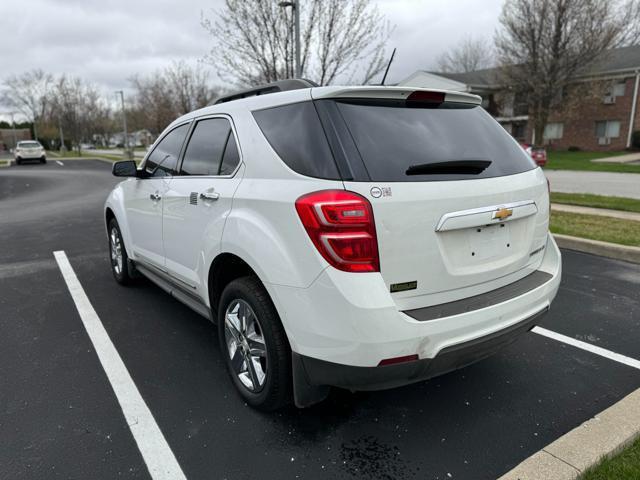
[29, 150]
[358, 237]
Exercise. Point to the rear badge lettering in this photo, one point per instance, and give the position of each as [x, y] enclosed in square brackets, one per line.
[401, 287]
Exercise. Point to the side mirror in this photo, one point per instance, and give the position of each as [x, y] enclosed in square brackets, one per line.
[125, 168]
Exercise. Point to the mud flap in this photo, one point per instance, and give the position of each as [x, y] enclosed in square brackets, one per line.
[304, 393]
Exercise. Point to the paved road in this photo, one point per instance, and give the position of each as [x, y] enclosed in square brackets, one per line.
[599, 183]
[59, 417]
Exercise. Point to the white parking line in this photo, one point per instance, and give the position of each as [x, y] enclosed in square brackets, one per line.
[616, 357]
[60, 163]
[157, 455]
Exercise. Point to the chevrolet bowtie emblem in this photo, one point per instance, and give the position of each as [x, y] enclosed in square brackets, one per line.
[502, 213]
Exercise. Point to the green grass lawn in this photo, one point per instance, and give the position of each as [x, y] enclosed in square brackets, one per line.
[624, 466]
[596, 227]
[582, 161]
[596, 201]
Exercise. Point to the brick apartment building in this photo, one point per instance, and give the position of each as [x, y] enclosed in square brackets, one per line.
[7, 137]
[603, 120]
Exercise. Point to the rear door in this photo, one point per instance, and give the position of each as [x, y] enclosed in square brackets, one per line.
[144, 197]
[199, 199]
[459, 207]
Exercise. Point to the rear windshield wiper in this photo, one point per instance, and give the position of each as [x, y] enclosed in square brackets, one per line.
[463, 167]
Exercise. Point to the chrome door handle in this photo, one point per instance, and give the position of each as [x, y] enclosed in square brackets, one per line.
[209, 196]
[155, 197]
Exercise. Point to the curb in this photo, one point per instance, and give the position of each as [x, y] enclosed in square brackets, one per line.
[601, 212]
[596, 247]
[569, 456]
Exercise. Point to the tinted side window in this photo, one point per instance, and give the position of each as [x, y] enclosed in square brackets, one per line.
[231, 157]
[165, 154]
[206, 146]
[295, 133]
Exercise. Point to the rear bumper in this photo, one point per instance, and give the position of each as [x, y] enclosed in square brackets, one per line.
[352, 320]
[315, 372]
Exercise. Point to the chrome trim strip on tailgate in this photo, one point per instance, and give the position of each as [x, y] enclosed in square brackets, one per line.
[520, 209]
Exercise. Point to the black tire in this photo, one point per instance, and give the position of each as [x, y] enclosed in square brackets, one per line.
[43, 160]
[119, 269]
[18, 161]
[275, 392]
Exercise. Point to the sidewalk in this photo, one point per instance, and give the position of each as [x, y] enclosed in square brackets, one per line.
[629, 158]
[596, 211]
[598, 183]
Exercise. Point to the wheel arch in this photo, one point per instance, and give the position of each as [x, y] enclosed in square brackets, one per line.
[225, 268]
[108, 216]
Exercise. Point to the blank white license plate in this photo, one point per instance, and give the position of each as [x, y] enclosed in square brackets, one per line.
[489, 241]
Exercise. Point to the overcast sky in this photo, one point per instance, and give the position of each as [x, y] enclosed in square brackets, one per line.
[108, 41]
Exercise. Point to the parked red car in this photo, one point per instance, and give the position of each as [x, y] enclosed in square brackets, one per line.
[539, 154]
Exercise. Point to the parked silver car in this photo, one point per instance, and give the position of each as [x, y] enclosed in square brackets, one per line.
[29, 150]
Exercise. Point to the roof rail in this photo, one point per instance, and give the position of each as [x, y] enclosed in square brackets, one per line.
[274, 87]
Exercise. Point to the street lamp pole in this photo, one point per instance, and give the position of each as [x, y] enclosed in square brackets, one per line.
[296, 14]
[295, 7]
[62, 146]
[124, 125]
[13, 127]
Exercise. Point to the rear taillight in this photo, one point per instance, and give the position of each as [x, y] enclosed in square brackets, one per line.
[397, 360]
[341, 226]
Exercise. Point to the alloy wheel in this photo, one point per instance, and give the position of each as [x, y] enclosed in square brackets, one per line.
[246, 345]
[116, 251]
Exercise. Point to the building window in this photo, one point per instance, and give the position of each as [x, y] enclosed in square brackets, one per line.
[519, 131]
[553, 131]
[608, 129]
[618, 90]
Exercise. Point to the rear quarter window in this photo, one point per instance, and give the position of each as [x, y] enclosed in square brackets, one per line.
[295, 133]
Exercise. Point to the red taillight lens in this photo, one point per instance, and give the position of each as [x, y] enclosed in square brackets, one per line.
[426, 97]
[397, 360]
[341, 226]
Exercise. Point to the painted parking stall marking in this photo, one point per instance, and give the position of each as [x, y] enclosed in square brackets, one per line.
[60, 163]
[616, 357]
[157, 455]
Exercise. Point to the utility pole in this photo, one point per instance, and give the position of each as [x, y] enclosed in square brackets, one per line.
[62, 146]
[127, 153]
[295, 7]
[13, 127]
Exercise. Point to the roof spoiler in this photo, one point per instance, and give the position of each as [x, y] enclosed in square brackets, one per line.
[274, 87]
[395, 93]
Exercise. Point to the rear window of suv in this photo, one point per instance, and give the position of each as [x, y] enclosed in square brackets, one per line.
[398, 143]
[29, 145]
[390, 141]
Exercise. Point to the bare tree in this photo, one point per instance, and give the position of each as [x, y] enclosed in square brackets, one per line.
[339, 38]
[28, 93]
[469, 55]
[169, 93]
[544, 44]
[76, 106]
[190, 86]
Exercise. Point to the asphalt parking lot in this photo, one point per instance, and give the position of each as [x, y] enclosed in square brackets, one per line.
[59, 417]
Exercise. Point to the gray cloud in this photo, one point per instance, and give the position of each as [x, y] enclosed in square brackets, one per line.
[108, 41]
